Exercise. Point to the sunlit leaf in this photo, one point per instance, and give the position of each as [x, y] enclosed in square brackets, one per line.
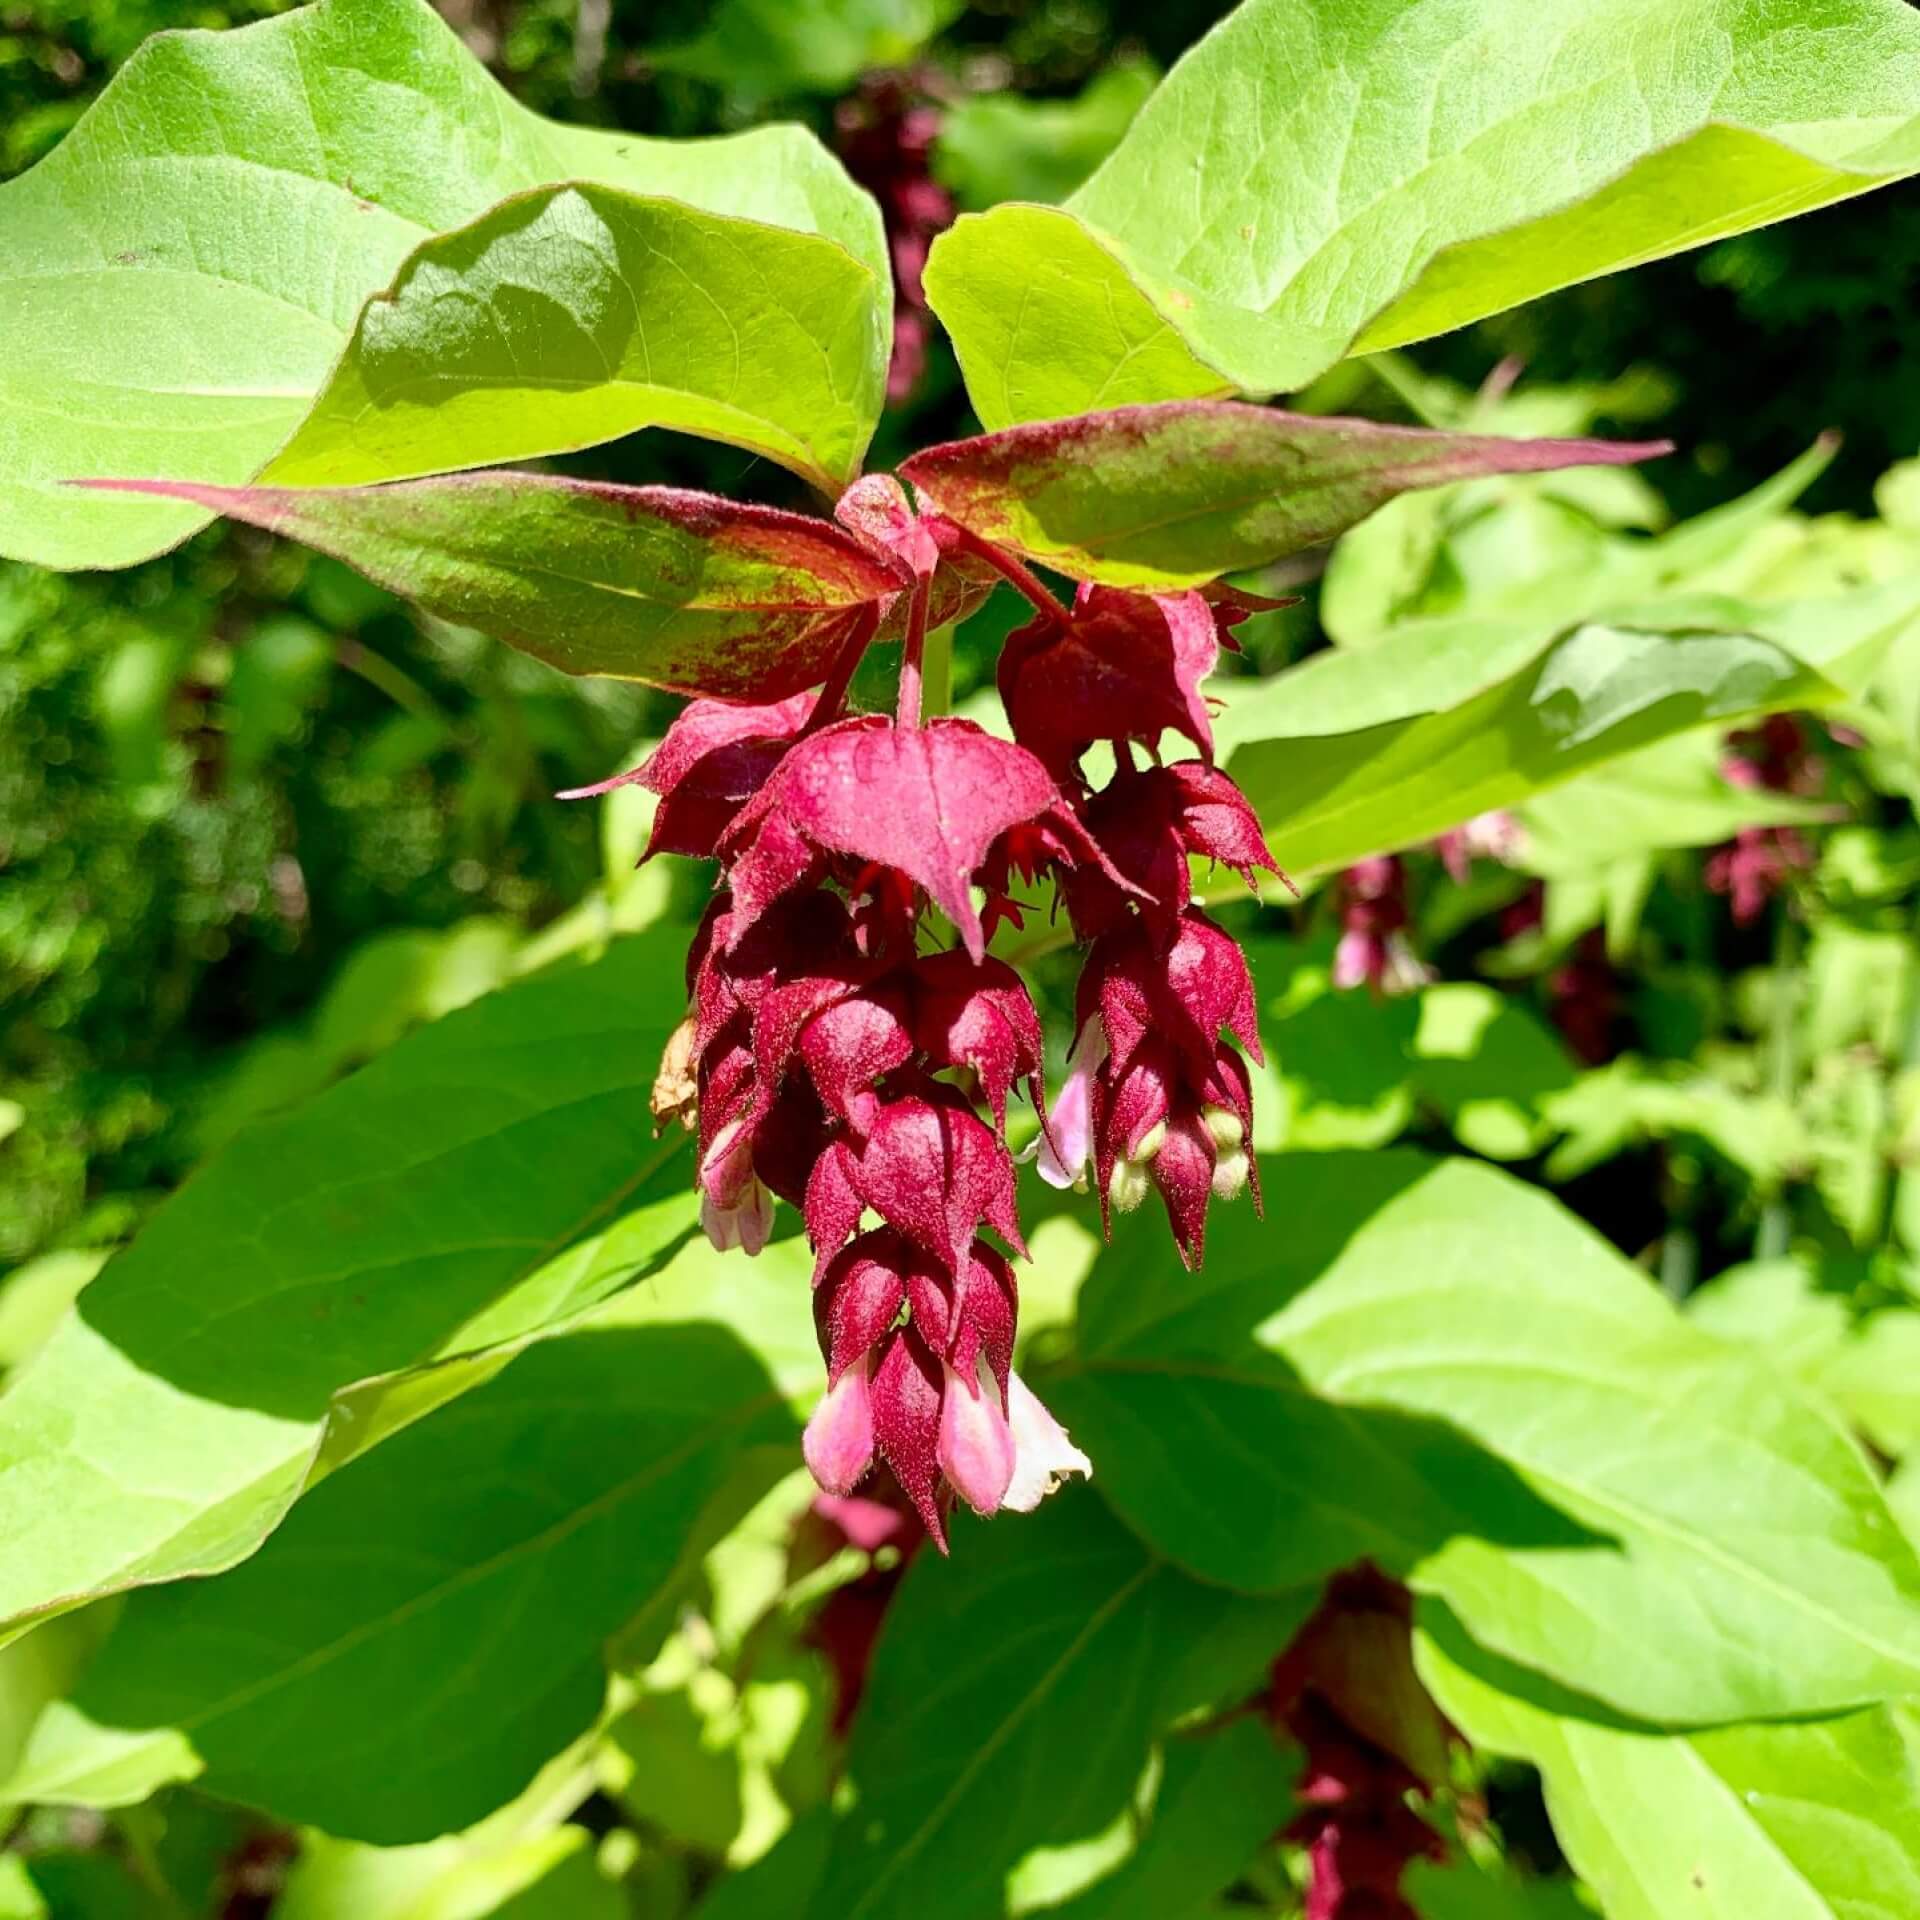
[1324, 176]
[179, 278]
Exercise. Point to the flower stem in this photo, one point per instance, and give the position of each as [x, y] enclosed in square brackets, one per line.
[913, 654]
[936, 672]
[1017, 575]
[833, 693]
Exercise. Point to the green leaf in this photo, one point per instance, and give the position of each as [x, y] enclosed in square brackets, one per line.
[179, 278]
[174, 1416]
[1436, 1367]
[35, 1295]
[437, 1608]
[544, 1874]
[1214, 1811]
[1459, 1890]
[982, 1785]
[1003, 146]
[1328, 798]
[1866, 1365]
[1353, 1069]
[682, 590]
[1177, 494]
[1047, 323]
[577, 314]
[1814, 1821]
[1324, 176]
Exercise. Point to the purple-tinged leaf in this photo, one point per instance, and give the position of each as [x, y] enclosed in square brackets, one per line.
[1177, 494]
[678, 589]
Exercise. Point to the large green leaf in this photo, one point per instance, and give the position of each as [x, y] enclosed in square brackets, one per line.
[682, 590]
[1177, 494]
[1435, 1366]
[425, 1631]
[179, 278]
[575, 314]
[1361, 751]
[171, 1420]
[1323, 176]
[1814, 1821]
[1011, 1715]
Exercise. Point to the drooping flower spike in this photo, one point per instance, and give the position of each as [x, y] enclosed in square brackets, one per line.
[851, 1047]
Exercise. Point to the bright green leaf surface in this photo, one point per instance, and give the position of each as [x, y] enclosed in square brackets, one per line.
[173, 1417]
[576, 314]
[683, 590]
[1011, 1711]
[1361, 751]
[1321, 176]
[437, 1608]
[179, 277]
[1669, 795]
[1438, 1368]
[1815, 1821]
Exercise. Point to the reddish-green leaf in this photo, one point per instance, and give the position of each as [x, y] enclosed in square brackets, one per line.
[682, 590]
[1182, 492]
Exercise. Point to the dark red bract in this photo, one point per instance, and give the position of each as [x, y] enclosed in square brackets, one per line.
[836, 1055]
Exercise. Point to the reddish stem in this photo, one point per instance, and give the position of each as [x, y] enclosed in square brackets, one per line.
[1016, 573]
[846, 663]
[907, 714]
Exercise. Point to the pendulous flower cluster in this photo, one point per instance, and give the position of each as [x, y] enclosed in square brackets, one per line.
[850, 1053]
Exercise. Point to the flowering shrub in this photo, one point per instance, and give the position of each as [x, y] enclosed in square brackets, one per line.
[461, 1418]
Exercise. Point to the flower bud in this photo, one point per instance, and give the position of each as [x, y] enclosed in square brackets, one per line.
[1223, 1125]
[1066, 1144]
[1127, 1186]
[1229, 1174]
[838, 1442]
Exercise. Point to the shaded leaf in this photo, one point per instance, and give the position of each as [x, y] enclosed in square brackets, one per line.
[971, 1756]
[1003, 146]
[172, 1419]
[576, 314]
[438, 1607]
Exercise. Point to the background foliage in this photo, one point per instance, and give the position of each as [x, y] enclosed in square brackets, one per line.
[258, 822]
